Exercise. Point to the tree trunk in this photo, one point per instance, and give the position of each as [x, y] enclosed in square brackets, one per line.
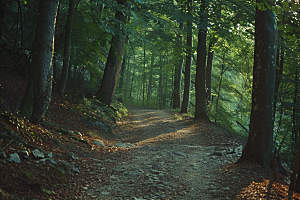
[38, 92]
[279, 70]
[131, 86]
[122, 73]
[188, 63]
[149, 92]
[144, 73]
[260, 144]
[108, 85]
[208, 71]
[127, 77]
[55, 48]
[294, 118]
[220, 86]
[178, 73]
[66, 58]
[160, 85]
[201, 98]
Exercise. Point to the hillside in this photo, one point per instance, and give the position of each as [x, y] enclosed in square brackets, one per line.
[92, 153]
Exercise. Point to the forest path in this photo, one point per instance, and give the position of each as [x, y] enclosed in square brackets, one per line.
[173, 159]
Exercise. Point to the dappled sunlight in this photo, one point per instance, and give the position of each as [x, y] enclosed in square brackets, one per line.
[265, 189]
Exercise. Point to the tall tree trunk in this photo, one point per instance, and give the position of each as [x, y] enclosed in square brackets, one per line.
[178, 73]
[66, 58]
[122, 73]
[294, 123]
[220, 85]
[55, 48]
[108, 85]
[127, 77]
[279, 70]
[149, 92]
[144, 73]
[131, 86]
[38, 92]
[260, 144]
[208, 71]
[201, 98]
[188, 63]
[160, 85]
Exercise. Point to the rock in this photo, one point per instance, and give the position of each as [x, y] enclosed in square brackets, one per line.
[14, 158]
[105, 193]
[37, 154]
[3, 155]
[64, 164]
[98, 143]
[65, 132]
[77, 133]
[57, 142]
[145, 147]
[24, 152]
[179, 153]
[75, 169]
[103, 126]
[124, 145]
[132, 173]
[239, 149]
[219, 153]
[72, 155]
[48, 155]
[50, 161]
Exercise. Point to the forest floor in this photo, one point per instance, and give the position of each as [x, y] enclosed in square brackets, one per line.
[170, 156]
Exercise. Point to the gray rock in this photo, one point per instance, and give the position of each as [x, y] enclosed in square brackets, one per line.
[37, 154]
[124, 145]
[145, 147]
[3, 155]
[132, 173]
[14, 158]
[98, 143]
[72, 155]
[57, 142]
[64, 163]
[24, 152]
[226, 189]
[50, 161]
[75, 169]
[219, 153]
[77, 133]
[105, 193]
[103, 126]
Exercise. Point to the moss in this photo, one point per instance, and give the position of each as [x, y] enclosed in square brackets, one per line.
[58, 171]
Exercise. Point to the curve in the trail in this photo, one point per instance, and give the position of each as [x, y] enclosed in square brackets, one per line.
[166, 164]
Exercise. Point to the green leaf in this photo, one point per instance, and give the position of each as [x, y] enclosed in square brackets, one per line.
[139, 1]
[86, 20]
[132, 13]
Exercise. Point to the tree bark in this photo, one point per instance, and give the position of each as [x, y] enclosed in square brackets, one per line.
[178, 73]
[149, 92]
[108, 85]
[220, 86]
[38, 92]
[201, 98]
[188, 63]
[55, 48]
[208, 71]
[260, 144]
[279, 70]
[66, 58]
[122, 73]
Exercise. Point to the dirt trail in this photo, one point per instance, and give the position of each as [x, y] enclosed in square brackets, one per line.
[173, 159]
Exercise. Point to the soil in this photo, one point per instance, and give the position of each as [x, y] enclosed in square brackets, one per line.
[174, 157]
